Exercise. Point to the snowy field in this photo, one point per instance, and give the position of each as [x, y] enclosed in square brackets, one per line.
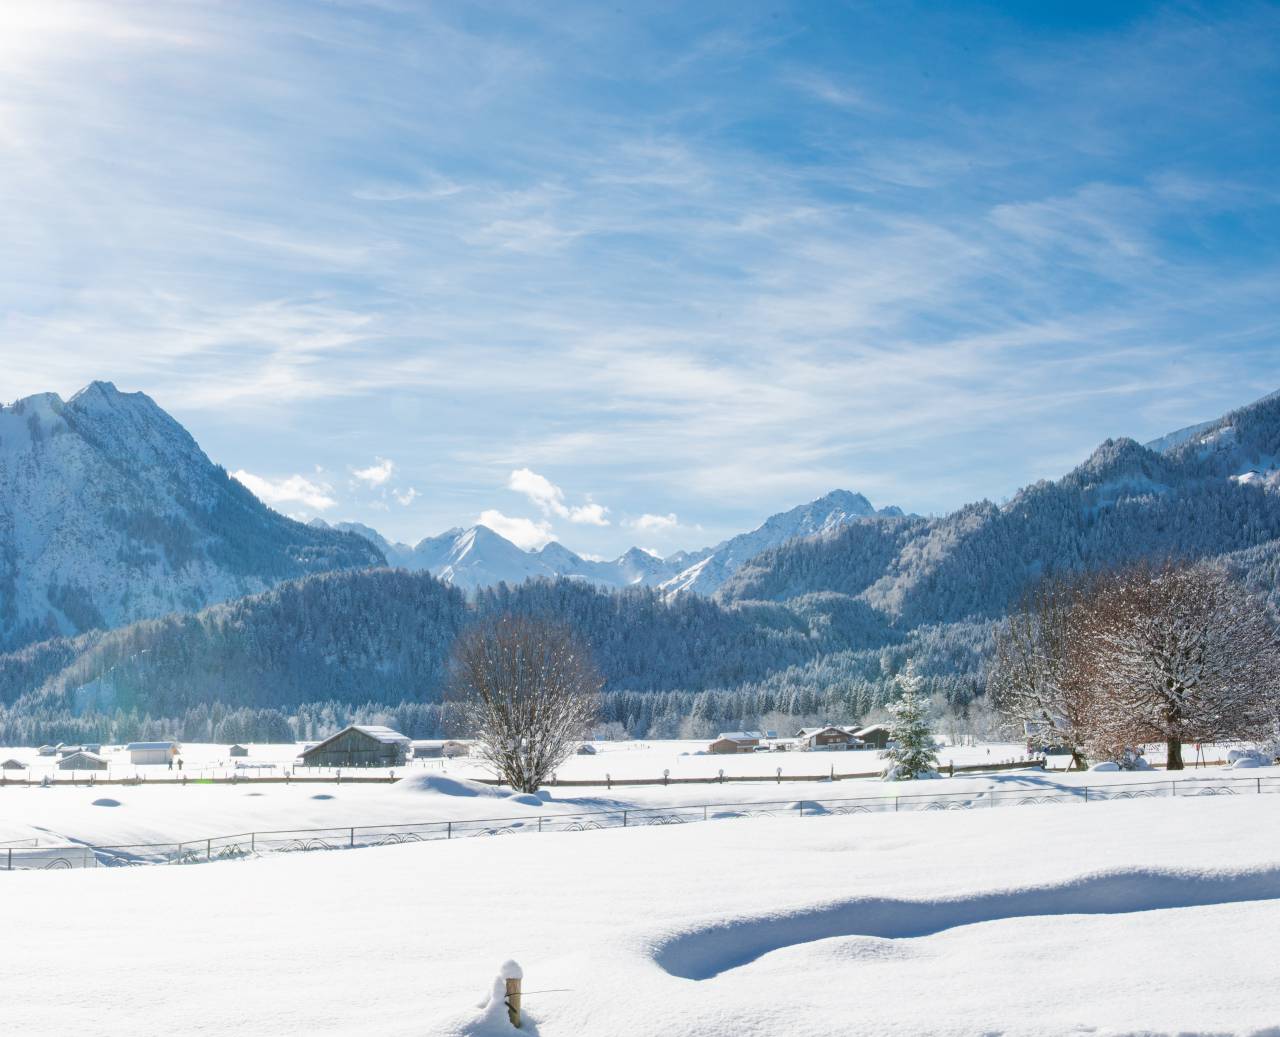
[1143, 917]
[647, 759]
[632, 759]
[126, 815]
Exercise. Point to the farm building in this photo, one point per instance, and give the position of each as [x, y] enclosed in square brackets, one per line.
[360, 745]
[434, 748]
[876, 736]
[13, 765]
[82, 761]
[48, 750]
[736, 742]
[237, 750]
[826, 738]
[151, 752]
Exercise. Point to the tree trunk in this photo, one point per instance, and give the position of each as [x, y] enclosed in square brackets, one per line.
[1173, 754]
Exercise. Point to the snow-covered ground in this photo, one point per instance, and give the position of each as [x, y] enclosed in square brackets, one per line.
[647, 759]
[1152, 917]
[128, 815]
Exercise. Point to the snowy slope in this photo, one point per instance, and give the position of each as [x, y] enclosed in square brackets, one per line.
[110, 513]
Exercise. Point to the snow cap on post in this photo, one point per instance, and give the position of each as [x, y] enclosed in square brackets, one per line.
[510, 970]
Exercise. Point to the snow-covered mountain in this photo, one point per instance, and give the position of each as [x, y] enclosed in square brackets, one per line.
[824, 515]
[1202, 492]
[479, 557]
[110, 512]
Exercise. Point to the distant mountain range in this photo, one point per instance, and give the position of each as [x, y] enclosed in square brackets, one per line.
[110, 512]
[106, 501]
[479, 557]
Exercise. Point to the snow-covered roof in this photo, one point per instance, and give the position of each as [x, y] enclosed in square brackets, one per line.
[87, 757]
[740, 736]
[809, 732]
[150, 745]
[377, 732]
[382, 734]
[13, 765]
[871, 730]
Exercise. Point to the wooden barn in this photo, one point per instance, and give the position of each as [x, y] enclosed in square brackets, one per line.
[82, 761]
[13, 765]
[876, 736]
[736, 742]
[827, 738]
[152, 752]
[360, 745]
[237, 750]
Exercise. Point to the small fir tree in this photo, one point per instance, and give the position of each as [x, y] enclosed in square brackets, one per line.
[910, 753]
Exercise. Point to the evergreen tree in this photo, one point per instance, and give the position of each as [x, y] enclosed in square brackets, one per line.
[910, 753]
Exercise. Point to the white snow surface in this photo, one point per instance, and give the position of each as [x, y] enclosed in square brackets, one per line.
[1103, 920]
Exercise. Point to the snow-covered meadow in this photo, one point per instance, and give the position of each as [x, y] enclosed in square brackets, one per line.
[1121, 918]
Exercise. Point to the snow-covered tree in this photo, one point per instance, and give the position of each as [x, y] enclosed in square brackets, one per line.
[911, 750]
[529, 691]
[1041, 675]
[1181, 654]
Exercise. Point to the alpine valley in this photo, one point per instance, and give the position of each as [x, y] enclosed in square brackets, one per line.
[145, 593]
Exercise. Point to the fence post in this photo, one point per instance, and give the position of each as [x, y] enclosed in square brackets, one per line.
[895, 804]
[513, 1000]
[1259, 781]
[11, 858]
[624, 819]
[1173, 788]
[1086, 793]
[208, 849]
[253, 842]
[704, 811]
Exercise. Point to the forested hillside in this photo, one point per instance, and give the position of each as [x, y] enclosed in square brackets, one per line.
[1209, 495]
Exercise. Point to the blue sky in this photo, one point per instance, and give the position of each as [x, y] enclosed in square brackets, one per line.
[641, 273]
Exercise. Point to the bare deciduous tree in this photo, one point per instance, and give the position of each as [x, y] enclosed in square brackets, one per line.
[1040, 676]
[1181, 654]
[1106, 662]
[528, 691]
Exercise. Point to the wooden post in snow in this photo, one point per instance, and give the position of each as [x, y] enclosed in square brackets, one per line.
[513, 975]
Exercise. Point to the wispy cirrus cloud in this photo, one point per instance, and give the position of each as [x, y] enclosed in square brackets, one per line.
[756, 268]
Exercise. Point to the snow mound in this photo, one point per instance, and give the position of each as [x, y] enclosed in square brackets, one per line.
[1245, 763]
[1105, 765]
[442, 785]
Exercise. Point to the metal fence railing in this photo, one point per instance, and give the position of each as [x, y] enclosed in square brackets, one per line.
[28, 854]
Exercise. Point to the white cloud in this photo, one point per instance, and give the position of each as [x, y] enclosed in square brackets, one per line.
[550, 498]
[523, 532]
[405, 497]
[589, 515]
[539, 489]
[295, 489]
[654, 523]
[377, 473]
